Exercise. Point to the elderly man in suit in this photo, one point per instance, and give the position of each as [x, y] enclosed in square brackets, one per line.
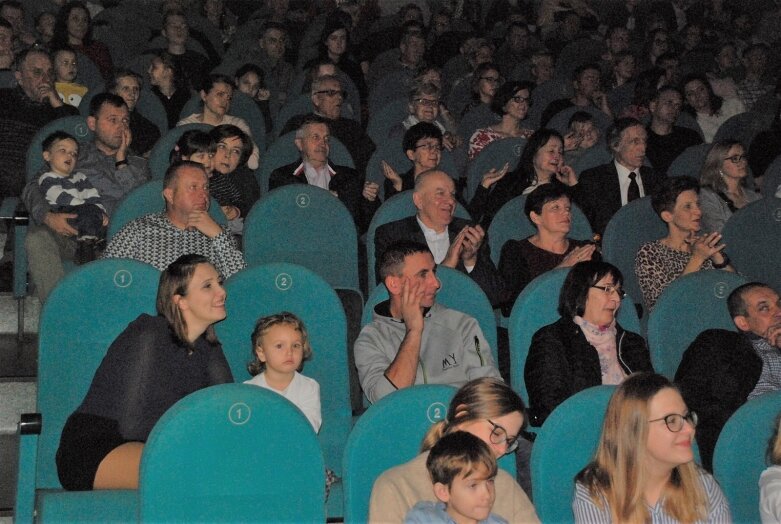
[315, 168]
[603, 190]
[453, 241]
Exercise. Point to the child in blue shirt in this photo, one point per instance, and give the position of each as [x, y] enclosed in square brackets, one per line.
[463, 469]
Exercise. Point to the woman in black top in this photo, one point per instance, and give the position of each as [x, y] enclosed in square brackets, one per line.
[154, 363]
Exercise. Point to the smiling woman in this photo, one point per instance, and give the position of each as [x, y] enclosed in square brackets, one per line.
[151, 365]
[549, 209]
[644, 466]
[587, 346]
[685, 249]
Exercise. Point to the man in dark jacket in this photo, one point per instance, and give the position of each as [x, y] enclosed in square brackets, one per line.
[345, 183]
[723, 369]
[453, 241]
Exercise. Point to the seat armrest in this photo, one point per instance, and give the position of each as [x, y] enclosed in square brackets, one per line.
[29, 429]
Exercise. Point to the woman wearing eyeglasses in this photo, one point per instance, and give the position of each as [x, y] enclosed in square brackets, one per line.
[684, 250]
[511, 102]
[644, 469]
[485, 407]
[723, 180]
[587, 346]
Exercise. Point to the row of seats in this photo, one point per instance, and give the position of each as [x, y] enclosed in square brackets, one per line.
[70, 349]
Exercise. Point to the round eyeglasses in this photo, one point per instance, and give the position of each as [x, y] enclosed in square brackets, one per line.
[674, 421]
[499, 436]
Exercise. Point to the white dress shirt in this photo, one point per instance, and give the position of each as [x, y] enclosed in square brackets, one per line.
[623, 181]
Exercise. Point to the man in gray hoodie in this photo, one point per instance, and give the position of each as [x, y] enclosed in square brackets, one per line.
[412, 339]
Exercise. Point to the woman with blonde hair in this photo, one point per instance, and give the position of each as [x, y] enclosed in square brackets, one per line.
[644, 469]
[485, 407]
[770, 480]
[723, 184]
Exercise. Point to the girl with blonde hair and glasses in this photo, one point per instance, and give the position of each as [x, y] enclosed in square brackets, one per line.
[723, 180]
[644, 469]
[488, 409]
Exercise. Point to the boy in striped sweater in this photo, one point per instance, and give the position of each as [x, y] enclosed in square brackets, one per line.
[69, 192]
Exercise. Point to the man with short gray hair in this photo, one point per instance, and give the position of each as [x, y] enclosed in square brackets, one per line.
[327, 98]
[315, 168]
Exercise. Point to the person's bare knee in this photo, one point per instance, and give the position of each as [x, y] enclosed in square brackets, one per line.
[119, 469]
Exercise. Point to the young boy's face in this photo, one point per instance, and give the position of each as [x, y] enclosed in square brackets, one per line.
[62, 156]
[469, 498]
[65, 67]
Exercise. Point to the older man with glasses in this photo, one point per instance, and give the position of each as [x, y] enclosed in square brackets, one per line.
[327, 98]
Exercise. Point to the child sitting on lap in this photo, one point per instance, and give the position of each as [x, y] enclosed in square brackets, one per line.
[463, 469]
[69, 192]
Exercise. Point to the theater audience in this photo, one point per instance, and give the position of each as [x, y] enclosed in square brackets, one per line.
[587, 346]
[549, 209]
[486, 408]
[541, 162]
[216, 95]
[723, 179]
[644, 466]
[454, 242]
[73, 27]
[684, 250]
[109, 165]
[720, 371]
[25, 109]
[102, 441]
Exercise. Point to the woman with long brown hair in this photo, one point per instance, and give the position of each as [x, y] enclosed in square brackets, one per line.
[155, 362]
[644, 469]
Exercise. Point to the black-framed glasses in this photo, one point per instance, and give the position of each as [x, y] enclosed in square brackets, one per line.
[674, 421]
[737, 159]
[426, 102]
[610, 289]
[330, 92]
[518, 99]
[499, 436]
[429, 147]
